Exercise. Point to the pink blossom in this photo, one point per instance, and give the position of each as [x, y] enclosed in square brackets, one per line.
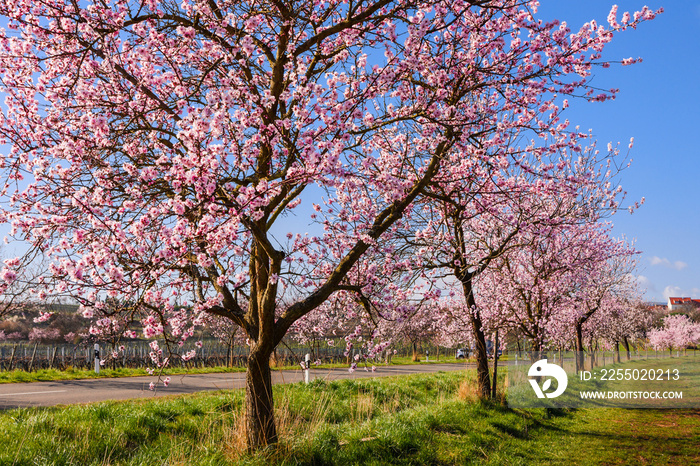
[8, 275]
[43, 317]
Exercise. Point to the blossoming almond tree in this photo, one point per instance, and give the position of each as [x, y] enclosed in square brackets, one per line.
[158, 150]
[534, 289]
[466, 225]
[603, 290]
[621, 319]
[678, 331]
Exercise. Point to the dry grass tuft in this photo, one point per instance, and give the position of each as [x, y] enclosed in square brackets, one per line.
[468, 390]
[501, 393]
[364, 407]
[294, 429]
[276, 361]
[393, 405]
[234, 437]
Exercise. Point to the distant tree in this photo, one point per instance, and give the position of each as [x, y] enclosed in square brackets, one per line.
[44, 335]
[677, 332]
[547, 290]
[467, 225]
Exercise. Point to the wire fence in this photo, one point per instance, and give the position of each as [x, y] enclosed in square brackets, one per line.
[30, 356]
[35, 356]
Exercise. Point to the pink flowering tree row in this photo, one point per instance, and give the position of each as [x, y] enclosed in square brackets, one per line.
[677, 332]
[545, 289]
[159, 152]
[537, 199]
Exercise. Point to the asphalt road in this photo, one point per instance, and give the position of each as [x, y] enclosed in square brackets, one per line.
[63, 392]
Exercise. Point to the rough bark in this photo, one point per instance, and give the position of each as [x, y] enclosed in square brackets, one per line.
[627, 347]
[495, 366]
[259, 413]
[482, 361]
[579, 347]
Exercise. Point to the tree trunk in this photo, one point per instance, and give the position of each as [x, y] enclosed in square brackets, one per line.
[579, 347]
[482, 359]
[537, 351]
[415, 357]
[12, 358]
[617, 350]
[495, 366]
[229, 356]
[53, 357]
[259, 412]
[627, 347]
[31, 363]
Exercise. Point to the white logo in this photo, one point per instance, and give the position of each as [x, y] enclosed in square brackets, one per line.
[542, 369]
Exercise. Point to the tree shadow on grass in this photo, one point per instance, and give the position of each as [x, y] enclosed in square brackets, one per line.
[512, 431]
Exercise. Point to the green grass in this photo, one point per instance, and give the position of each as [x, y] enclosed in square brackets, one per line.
[415, 419]
[46, 375]
[688, 379]
[399, 360]
[688, 383]
[612, 436]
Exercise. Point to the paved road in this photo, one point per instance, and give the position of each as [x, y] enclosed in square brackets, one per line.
[85, 391]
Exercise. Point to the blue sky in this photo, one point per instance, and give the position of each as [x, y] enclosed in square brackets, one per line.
[658, 105]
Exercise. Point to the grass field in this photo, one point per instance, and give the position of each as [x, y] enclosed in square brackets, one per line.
[419, 419]
[676, 374]
[46, 375]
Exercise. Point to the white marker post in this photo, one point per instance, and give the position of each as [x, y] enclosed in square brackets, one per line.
[97, 358]
[307, 366]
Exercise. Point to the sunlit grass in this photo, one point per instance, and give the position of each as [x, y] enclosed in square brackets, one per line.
[45, 375]
[418, 419]
[677, 374]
